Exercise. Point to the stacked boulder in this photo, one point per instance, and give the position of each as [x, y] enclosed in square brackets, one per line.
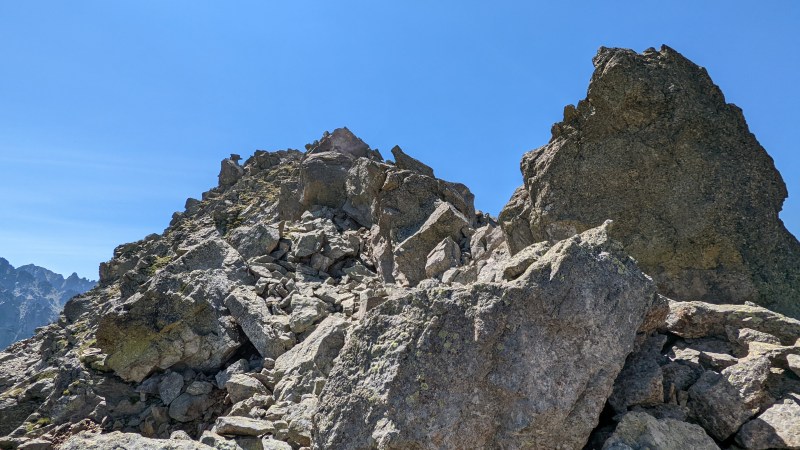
[333, 299]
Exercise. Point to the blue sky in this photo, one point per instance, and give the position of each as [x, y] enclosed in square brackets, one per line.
[113, 113]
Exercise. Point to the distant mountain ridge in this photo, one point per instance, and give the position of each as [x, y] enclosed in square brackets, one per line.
[32, 296]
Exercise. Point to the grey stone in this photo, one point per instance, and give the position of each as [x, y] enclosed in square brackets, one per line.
[639, 430]
[717, 406]
[176, 317]
[698, 319]
[411, 254]
[305, 312]
[255, 240]
[230, 172]
[199, 388]
[306, 244]
[187, 407]
[777, 427]
[793, 361]
[36, 444]
[696, 199]
[406, 162]
[243, 386]
[218, 442]
[170, 387]
[311, 360]
[127, 441]
[180, 435]
[240, 366]
[324, 176]
[273, 444]
[342, 141]
[245, 407]
[242, 426]
[538, 356]
[252, 314]
[519, 263]
[641, 381]
[446, 255]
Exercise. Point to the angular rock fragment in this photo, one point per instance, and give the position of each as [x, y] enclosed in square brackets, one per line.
[256, 240]
[127, 441]
[777, 427]
[641, 381]
[496, 365]
[695, 198]
[410, 255]
[640, 431]
[446, 255]
[188, 407]
[170, 387]
[306, 365]
[406, 162]
[252, 314]
[242, 426]
[242, 386]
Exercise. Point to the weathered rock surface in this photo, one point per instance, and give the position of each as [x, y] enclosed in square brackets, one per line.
[304, 368]
[496, 365]
[406, 162]
[777, 427]
[695, 198]
[640, 431]
[128, 441]
[331, 299]
[177, 319]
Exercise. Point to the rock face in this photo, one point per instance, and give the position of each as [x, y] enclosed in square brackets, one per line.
[31, 297]
[128, 441]
[694, 197]
[641, 430]
[491, 366]
[331, 299]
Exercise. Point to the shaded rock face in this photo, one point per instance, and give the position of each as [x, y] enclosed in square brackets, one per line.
[491, 366]
[31, 297]
[723, 368]
[694, 197]
[641, 430]
[178, 318]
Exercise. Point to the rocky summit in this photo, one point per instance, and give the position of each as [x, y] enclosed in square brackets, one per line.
[694, 196]
[639, 291]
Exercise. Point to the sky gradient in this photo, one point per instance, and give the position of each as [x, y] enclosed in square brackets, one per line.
[113, 113]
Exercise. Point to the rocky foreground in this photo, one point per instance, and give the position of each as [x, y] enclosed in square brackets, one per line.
[331, 299]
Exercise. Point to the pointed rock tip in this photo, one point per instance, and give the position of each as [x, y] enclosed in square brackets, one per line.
[342, 140]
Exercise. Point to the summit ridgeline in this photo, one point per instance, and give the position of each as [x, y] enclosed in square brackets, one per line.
[638, 291]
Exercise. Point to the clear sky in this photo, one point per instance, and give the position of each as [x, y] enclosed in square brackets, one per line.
[112, 113]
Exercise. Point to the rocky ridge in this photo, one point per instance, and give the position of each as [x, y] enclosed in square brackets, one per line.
[32, 296]
[333, 299]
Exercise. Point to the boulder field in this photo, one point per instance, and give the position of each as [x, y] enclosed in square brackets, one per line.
[638, 291]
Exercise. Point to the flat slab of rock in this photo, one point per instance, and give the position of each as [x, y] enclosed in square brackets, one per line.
[128, 441]
[403, 161]
[242, 426]
[509, 365]
[242, 386]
